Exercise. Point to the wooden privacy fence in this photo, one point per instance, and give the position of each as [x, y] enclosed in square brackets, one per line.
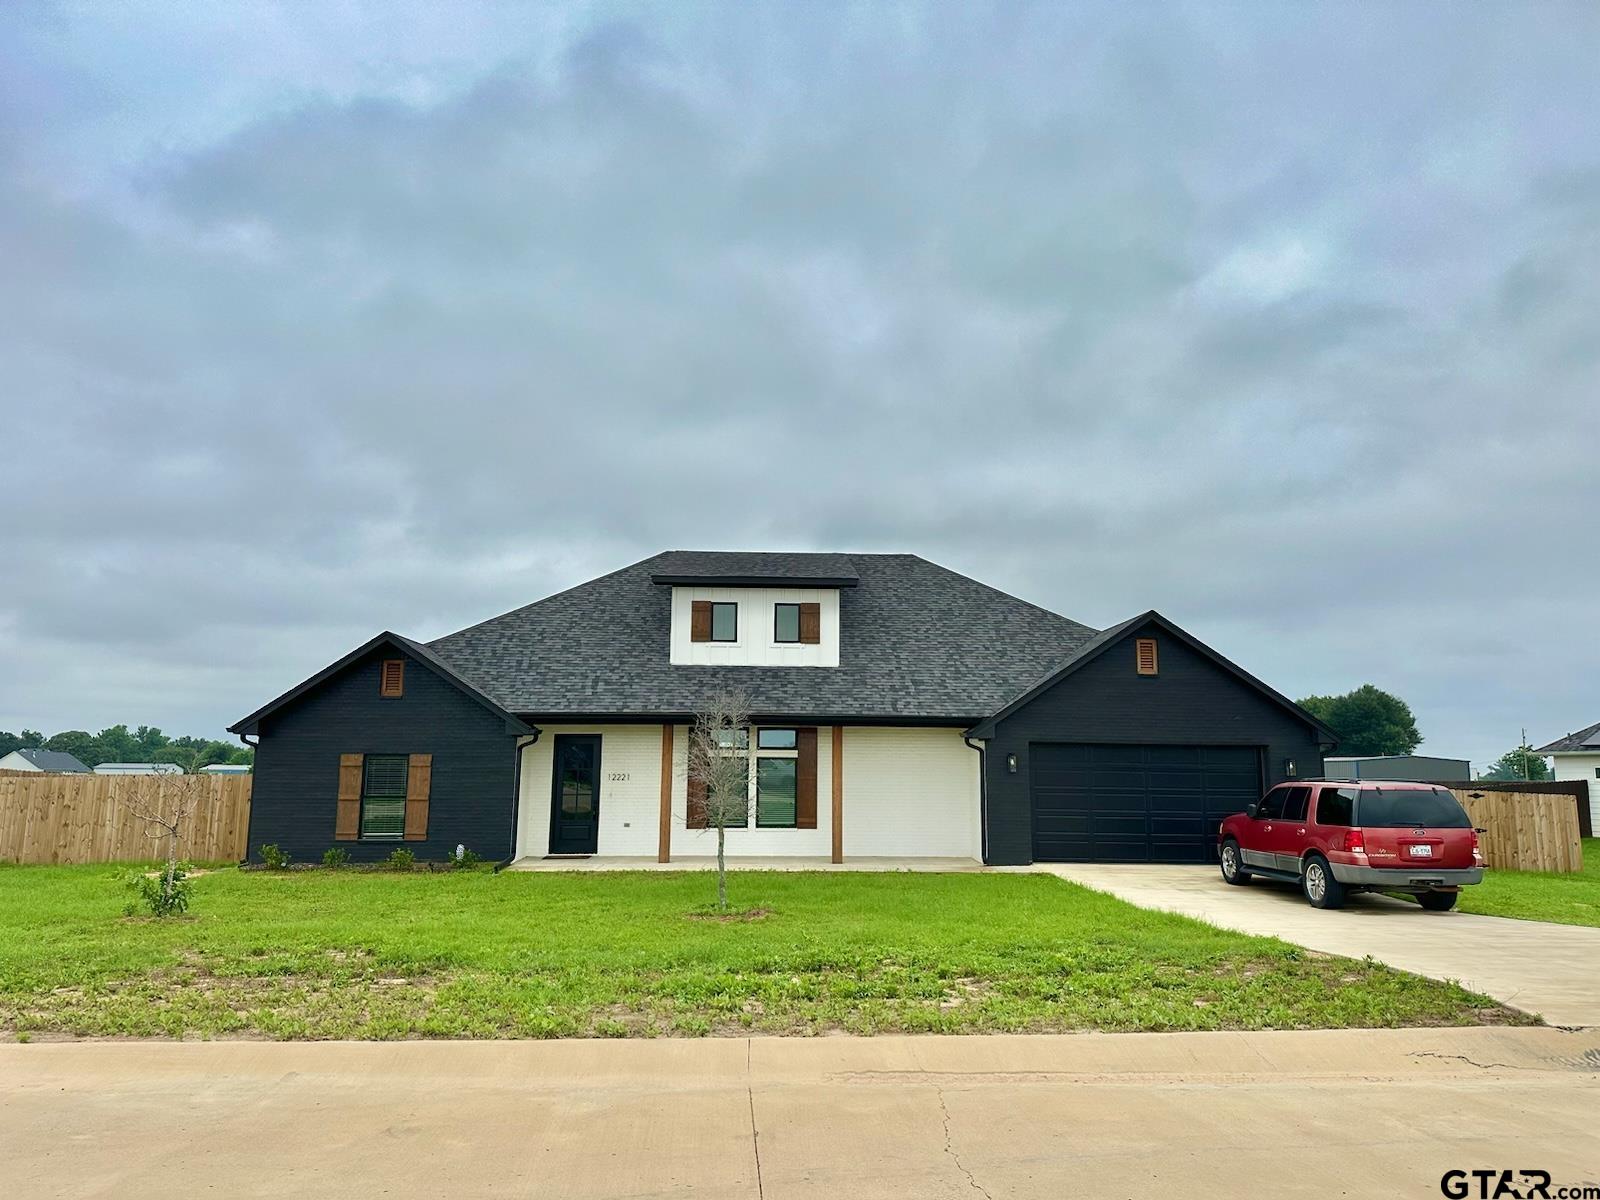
[91, 818]
[1528, 831]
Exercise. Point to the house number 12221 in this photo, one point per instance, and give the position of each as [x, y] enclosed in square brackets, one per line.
[618, 777]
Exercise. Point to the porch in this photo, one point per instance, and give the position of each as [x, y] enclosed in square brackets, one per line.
[619, 862]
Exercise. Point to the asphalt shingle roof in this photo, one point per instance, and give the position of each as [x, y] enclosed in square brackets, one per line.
[1584, 739]
[54, 760]
[713, 565]
[917, 641]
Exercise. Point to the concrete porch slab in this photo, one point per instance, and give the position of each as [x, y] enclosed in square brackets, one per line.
[603, 862]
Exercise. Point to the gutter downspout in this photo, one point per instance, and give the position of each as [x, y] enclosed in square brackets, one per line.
[255, 745]
[516, 795]
[983, 796]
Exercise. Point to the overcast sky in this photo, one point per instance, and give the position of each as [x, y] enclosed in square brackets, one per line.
[320, 319]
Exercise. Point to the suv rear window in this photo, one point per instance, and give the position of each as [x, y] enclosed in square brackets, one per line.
[1397, 808]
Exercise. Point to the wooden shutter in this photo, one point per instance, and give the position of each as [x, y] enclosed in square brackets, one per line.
[393, 677]
[1144, 655]
[419, 783]
[811, 625]
[696, 815]
[347, 822]
[805, 779]
[700, 621]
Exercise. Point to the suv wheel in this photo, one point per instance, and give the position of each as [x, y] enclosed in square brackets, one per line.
[1321, 889]
[1438, 901]
[1233, 864]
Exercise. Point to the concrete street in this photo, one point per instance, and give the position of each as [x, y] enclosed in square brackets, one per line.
[1551, 970]
[1355, 1112]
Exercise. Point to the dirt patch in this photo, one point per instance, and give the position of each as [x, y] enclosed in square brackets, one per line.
[731, 918]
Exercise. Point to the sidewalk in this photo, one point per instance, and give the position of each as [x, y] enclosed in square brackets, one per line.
[1357, 1112]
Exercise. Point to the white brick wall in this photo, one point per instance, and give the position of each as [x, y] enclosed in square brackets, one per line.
[629, 807]
[910, 792]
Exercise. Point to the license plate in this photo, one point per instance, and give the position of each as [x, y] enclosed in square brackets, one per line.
[1422, 852]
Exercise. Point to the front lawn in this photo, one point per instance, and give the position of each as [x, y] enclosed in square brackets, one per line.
[330, 954]
[1539, 895]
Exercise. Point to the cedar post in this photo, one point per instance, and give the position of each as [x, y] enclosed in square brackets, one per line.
[664, 845]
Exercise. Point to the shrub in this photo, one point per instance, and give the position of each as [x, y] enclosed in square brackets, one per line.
[274, 856]
[156, 894]
[464, 858]
[335, 856]
[401, 859]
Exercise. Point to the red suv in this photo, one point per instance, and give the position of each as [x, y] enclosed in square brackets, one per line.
[1367, 836]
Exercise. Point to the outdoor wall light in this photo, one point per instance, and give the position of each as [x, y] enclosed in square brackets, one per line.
[1288, 768]
[1011, 764]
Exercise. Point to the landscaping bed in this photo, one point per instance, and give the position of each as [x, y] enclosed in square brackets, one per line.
[347, 954]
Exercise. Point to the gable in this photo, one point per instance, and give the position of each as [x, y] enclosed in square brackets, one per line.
[358, 683]
[1194, 694]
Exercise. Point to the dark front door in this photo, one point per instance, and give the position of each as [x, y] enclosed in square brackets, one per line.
[575, 804]
[1137, 803]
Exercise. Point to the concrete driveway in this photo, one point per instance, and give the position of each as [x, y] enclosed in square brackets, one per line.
[1552, 970]
[1353, 1112]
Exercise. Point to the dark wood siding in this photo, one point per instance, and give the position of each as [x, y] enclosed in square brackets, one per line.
[1192, 702]
[296, 792]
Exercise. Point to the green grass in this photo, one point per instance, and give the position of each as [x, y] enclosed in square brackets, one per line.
[323, 954]
[1540, 895]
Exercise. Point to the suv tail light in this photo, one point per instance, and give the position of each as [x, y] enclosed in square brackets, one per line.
[1355, 842]
[1477, 851]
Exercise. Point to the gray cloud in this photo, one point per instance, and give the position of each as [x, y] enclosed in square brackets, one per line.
[1279, 320]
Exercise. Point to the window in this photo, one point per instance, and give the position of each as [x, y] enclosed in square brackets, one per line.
[1144, 656]
[383, 796]
[392, 678]
[775, 791]
[1336, 806]
[786, 622]
[777, 777]
[724, 622]
[1597, 772]
[1271, 806]
[1294, 803]
[1399, 808]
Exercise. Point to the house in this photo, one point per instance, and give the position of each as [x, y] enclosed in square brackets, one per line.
[138, 768]
[1577, 756]
[899, 709]
[43, 760]
[1420, 768]
[226, 769]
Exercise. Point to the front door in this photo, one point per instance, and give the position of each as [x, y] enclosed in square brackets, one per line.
[575, 802]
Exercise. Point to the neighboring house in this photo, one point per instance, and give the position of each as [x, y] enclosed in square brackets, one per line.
[1418, 768]
[899, 709]
[226, 769]
[138, 769]
[1577, 756]
[42, 760]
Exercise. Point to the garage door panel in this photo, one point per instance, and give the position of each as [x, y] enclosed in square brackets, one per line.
[1104, 803]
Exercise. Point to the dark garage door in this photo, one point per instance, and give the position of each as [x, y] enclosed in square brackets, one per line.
[1137, 803]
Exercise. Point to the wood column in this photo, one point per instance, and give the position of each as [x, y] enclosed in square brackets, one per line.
[838, 793]
[664, 846]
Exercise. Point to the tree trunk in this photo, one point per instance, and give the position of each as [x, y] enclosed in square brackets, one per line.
[722, 869]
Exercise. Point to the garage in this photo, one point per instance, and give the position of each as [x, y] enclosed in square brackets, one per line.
[1109, 803]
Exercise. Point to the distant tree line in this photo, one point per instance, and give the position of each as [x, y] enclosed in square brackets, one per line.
[120, 744]
[1372, 721]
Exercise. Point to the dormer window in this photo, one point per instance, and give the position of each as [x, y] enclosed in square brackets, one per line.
[714, 621]
[786, 622]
